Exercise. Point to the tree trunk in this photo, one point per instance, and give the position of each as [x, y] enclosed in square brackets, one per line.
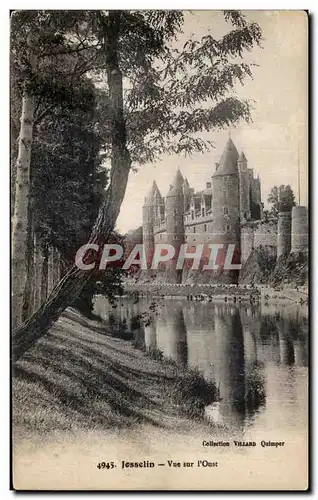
[59, 267]
[50, 271]
[20, 217]
[74, 280]
[44, 276]
[38, 269]
[22, 187]
[56, 264]
[28, 299]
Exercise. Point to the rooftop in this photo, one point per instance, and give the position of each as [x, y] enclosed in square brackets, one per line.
[228, 162]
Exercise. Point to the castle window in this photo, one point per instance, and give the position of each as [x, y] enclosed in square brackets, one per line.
[203, 212]
[192, 215]
[205, 227]
[194, 229]
[227, 227]
[225, 210]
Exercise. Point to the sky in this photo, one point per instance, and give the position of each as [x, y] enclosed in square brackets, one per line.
[275, 143]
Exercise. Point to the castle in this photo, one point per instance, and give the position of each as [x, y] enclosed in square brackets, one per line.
[228, 211]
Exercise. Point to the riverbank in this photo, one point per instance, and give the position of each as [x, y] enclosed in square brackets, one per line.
[234, 293]
[285, 295]
[78, 377]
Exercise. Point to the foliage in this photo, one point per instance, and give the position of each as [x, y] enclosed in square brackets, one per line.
[282, 199]
[67, 177]
[189, 90]
[107, 282]
[171, 95]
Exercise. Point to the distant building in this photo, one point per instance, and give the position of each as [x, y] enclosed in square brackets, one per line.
[228, 211]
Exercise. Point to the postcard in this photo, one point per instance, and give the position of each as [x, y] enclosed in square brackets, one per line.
[159, 196]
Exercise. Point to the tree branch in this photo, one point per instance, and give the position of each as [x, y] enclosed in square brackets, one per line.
[39, 118]
[69, 51]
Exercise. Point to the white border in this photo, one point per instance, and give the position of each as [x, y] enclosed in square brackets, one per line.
[311, 5]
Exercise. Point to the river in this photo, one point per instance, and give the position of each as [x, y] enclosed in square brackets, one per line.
[256, 354]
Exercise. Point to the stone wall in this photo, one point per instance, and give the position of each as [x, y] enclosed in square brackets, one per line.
[247, 242]
[299, 236]
[265, 234]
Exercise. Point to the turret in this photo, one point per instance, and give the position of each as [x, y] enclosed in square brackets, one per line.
[258, 195]
[158, 205]
[148, 218]
[244, 187]
[283, 234]
[299, 236]
[256, 206]
[226, 206]
[187, 195]
[175, 225]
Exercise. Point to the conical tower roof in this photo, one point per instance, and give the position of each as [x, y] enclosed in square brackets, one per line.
[178, 179]
[228, 162]
[186, 186]
[153, 194]
[177, 185]
[242, 157]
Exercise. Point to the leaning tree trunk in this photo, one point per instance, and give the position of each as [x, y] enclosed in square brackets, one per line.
[22, 187]
[74, 280]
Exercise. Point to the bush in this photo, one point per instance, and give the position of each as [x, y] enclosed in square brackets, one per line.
[193, 393]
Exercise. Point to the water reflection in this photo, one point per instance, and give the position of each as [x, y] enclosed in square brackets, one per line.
[172, 332]
[251, 352]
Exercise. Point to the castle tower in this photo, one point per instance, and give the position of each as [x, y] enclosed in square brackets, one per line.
[226, 207]
[148, 218]
[283, 234]
[187, 195]
[299, 231]
[256, 207]
[158, 206]
[175, 225]
[245, 212]
[257, 187]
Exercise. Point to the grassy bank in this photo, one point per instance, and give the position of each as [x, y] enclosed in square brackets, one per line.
[79, 377]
